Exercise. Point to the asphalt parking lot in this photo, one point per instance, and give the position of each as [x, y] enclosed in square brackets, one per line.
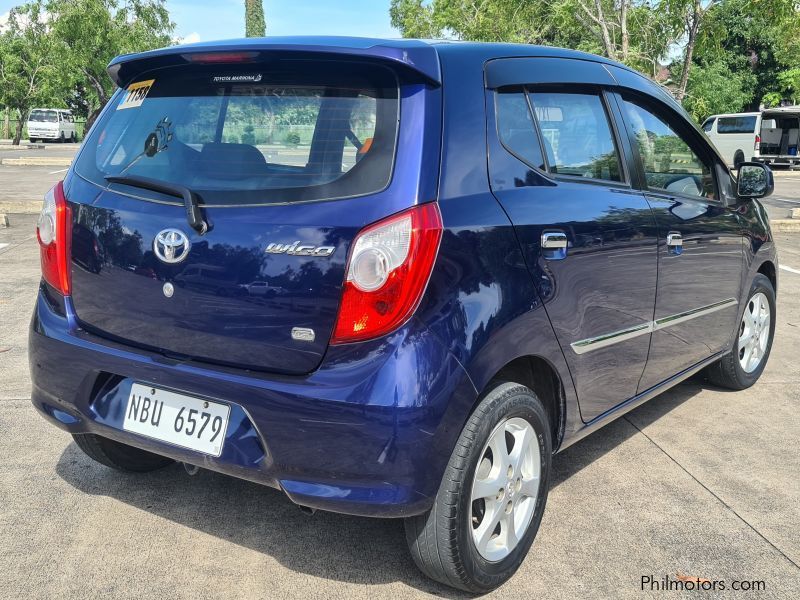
[698, 482]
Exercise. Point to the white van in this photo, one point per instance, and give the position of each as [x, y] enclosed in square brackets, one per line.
[734, 135]
[778, 141]
[51, 124]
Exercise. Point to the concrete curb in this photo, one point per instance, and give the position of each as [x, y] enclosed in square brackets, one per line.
[785, 225]
[20, 207]
[9, 148]
[38, 161]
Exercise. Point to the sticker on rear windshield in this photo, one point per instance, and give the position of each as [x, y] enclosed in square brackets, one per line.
[251, 78]
[136, 94]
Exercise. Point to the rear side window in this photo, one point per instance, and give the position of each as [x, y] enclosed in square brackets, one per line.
[576, 135]
[737, 125]
[287, 133]
[515, 127]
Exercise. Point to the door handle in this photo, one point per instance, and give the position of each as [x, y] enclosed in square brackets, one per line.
[554, 245]
[675, 242]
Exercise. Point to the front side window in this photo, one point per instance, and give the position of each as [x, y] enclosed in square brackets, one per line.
[576, 135]
[272, 134]
[708, 125]
[669, 162]
[737, 124]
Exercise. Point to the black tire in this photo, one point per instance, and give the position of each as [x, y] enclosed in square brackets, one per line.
[73, 137]
[119, 456]
[61, 138]
[728, 372]
[441, 540]
[738, 159]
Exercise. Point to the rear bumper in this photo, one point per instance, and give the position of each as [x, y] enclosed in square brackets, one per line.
[785, 161]
[369, 433]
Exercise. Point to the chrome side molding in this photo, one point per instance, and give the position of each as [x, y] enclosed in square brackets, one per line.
[609, 339]
[693, 314]
[615, 337]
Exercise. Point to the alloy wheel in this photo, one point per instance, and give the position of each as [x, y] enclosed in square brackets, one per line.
[754, 332]
[505, 488]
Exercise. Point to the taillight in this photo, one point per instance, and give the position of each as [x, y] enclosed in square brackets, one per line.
[53, 229]
[757, 145]
[389, 267]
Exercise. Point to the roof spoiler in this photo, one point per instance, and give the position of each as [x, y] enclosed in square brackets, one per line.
[414, 57]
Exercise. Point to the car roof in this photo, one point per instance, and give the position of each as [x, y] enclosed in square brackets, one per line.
[782, 109]
[421, 56]
[743, 114]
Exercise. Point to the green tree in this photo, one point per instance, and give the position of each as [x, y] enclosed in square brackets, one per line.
[255, 25]
[414, 19]
[95, 31]
[29, 75]
[761, 36]
[637, 32]
[715, 88]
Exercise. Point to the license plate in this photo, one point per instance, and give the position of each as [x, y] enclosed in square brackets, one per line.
[177, 419]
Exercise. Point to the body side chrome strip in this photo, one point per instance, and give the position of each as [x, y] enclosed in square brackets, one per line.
[609, 339]
[693, 314]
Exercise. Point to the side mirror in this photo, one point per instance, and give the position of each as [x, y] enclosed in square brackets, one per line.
[755, 180]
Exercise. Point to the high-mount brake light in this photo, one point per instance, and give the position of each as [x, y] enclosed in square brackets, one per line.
[220, 58]
[389, 267]
[53, 232]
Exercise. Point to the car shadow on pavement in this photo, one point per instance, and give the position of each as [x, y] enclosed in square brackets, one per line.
[327, 545]
[575, 458]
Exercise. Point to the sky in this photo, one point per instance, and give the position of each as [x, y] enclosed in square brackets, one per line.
[204, 20]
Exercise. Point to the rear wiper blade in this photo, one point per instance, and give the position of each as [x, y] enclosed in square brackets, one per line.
[194, 216]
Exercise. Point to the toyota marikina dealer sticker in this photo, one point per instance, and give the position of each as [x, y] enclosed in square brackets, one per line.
[136, 94]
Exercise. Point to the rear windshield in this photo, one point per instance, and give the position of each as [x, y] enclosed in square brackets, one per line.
[290, 132]
[44, 116]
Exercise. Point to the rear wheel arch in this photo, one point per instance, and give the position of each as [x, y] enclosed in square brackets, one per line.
[539, 375]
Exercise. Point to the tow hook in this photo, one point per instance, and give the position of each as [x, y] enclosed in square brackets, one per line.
[191, 469]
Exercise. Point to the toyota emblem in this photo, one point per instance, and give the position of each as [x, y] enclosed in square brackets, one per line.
[171, 246]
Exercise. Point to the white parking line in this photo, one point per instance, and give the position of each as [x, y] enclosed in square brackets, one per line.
[3, 246]
[60, 171]
[790, 269]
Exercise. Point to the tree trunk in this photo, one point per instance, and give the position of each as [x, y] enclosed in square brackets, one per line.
[5, 125]
[90, 119]
[623, 24]
[601, 20]
[18, 132]
[694, 26]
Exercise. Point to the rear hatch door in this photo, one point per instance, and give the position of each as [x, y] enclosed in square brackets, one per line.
[286, 160]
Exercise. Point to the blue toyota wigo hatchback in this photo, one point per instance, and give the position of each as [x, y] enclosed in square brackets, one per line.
[391, 278]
